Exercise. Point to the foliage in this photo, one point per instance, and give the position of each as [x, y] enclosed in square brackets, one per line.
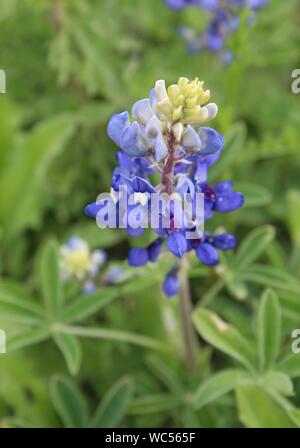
[115, 357]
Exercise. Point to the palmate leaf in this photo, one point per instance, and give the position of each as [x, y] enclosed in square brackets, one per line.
[268, 329]
[68, 402]
[113, 405]
[224, 337]
[26, 337]
[18, 310]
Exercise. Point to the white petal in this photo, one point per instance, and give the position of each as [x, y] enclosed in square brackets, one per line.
[161, 149]
[178, 131]
[153, 127]
[212, 110]
[191, 138]
[160, 90]
[142, 111]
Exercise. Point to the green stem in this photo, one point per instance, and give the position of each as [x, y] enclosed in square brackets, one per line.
[116, 335]
[185, 311]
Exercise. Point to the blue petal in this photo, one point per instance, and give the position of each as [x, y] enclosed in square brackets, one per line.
[176, 243]
[212, 141]
[141, 185]
[116, 126]
[225, 241]
[207, 254]
[223, 187]
[154, 249]
[228, 202]
[134, 232]
[129, 140]
[92, 209]
[138, 257]
[171, 285]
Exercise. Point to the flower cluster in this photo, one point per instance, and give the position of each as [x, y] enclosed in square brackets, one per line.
[224, 21]
[167, 138]
[78, 262]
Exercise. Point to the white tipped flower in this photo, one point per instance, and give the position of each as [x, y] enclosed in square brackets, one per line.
[142, 111]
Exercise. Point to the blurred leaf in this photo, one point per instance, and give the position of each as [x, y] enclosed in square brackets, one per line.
[113, 405]
[278, 382]
[272, 277]
[165, 374]
[26, 337]
[50, 278]
[257, 409]
[68, 402]
[253, 246]
[268, 329]
[18, 310]
[234, 144]
[290, 365]
[88, 304]
[153, 404]
[217, 385]
[255, 195]
[293, 216]
[71, 350]
[22, 201]
[224, 337]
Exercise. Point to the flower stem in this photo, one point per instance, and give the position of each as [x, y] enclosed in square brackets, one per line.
[185, 311]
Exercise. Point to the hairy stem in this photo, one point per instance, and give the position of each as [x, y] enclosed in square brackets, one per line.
[185, 311]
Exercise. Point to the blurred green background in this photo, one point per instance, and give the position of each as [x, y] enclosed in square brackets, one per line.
[69, 65]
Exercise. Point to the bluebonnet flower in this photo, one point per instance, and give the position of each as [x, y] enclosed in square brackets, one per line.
[78, 262]
[169, 139]
[224, 20]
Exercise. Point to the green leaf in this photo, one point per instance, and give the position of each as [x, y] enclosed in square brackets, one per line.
[68, 402]
[27, 166]
[295, 416]
[293, 216]
[255, 195]
[234, 141]
[155, 403]
[71, 350]
[258, 409]
[18, 310]
[113, 405]
[26, 337]
[272, 277]
[278, 382]
[290, 365]
[224, 337]
[165, 373]
[87, 305]
[217, 385]
[253, 246]
[50, 278]
[268, 329]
